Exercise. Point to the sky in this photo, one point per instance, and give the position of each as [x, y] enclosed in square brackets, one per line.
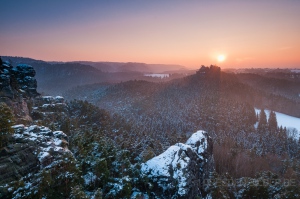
[228, 33]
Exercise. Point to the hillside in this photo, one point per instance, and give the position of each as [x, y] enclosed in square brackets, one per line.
[211, 100]
[284, 87]
[134, 66]
[55, 78]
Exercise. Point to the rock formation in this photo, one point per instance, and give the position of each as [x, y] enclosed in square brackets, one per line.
[31, 149]
[17, 81]
[48, 107]
[17, 84]
[179, 171]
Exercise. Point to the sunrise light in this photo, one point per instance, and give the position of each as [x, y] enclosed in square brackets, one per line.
[221, 58]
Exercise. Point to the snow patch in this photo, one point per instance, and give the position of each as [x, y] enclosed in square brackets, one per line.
[57, 142]
[46, 105]
[59, 98]
[18, 126]
[48, 97]
[59, 134]
[43, 155]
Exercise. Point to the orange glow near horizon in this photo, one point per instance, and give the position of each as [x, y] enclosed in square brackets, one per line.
[250, 34]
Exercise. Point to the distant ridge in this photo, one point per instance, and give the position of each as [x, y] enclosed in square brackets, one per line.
[106, 66]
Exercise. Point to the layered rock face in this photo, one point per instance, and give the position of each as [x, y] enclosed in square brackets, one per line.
[31, 148]
[47, 109]
[179, 171]
[17, 81]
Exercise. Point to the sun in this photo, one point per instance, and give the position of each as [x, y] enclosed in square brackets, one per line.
[221, 58]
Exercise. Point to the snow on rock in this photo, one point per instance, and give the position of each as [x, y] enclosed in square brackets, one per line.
[47, 98]
[178, 172]
[198, 142]
[59, 134]
[32, 149]
[49, 143]
[43, 155]
[18, 128]
[59, 99]
[46, 105]
[52, 99]
[57, 142]
[160, 163]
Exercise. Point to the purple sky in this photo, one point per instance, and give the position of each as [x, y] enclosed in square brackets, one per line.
[191, 33]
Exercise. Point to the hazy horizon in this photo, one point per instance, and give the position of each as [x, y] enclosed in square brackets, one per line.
[231, 34]
[166, 64]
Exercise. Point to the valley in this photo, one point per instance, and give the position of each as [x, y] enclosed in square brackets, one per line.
[108, 134]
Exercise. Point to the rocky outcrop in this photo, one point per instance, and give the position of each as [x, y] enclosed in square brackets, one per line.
[30, 149]
[17, 81]
[24, 75]
[179, 171]
[17, 85]
[48, 109]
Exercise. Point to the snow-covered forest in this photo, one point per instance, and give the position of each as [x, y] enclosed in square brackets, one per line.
[194, 136]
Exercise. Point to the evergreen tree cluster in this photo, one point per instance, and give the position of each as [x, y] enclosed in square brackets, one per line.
[265, 125]
[6, 121]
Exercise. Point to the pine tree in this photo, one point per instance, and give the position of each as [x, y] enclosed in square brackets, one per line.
[65, 126]
[6, 121]
[77, 193]
[272, 122]
[98, 194]
[262, 123]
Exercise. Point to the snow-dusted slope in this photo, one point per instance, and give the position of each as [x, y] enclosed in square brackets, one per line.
[177, 172]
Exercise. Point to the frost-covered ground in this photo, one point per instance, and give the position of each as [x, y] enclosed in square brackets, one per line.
[287, 121]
